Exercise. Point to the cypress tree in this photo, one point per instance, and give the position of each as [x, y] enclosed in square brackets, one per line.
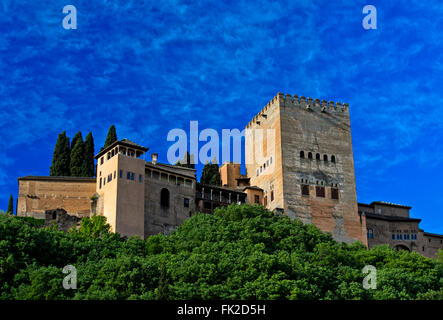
[211, 174]
[111, 137]
[77, 162]
[162, 291]
[89, 168]
[10, 205]
[60, 157]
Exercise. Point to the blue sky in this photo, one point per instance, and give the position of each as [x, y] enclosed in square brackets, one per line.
[149, 67]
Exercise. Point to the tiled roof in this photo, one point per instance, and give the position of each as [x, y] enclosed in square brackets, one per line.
[390, 218]
[188, 172]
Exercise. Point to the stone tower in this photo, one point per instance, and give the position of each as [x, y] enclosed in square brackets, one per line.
[306, 166]
[120, 187]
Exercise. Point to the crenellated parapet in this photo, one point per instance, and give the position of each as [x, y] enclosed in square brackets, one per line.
[309, 104]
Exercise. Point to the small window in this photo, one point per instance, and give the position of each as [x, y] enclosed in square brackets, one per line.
[310, 155]
[261, 169]
[325, 157]
[429, 240]
[305, 190]
[370, 233]
[320, 191]
[128, 175]
[121, 174]
[399, 236]
[302, 154]
[334, 193]
[406, 236]
[317, 156]
[423, 248]
[271, 160]
[265, 201]
[264, 166]
[333, 159]
[186, 203]
[164, 198]
[100, 183]
[393, 236]
[256, 199]
[54, 215]
[257, 172]
[272, 195]
[140, 178]
[115, 174]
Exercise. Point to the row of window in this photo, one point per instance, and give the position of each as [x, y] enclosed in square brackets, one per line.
[129, 176]
[317, 156]
[264, 166]
[319, 192]
[178, 181]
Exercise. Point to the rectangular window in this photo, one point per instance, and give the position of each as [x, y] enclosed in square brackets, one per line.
[114, 174]
[406, 236]
[101, 160]
[305, 190]
[399, 237]
[128, 175]
[393, 236]
[257, 199]
[140, 178]
[186, 202]
[121, 174]
[257, 172]
[334, 193]
[272, 195]
[100, 183]
[132, 176]
[320, 191]
[370, 234]
[265, 201]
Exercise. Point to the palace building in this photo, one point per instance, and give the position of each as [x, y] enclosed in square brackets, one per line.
[306, 172]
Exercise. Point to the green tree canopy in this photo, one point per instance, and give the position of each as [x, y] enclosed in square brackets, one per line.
[89, 156]
[239, 252]
[211, 174]
[61, 157]
[111, 137]
[10, 205]
[77, 162]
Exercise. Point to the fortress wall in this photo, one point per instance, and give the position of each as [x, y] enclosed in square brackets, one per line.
[38, 194]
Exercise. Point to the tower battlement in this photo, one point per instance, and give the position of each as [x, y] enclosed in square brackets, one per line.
[287, 100]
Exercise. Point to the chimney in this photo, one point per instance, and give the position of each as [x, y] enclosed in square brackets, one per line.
[154, 157]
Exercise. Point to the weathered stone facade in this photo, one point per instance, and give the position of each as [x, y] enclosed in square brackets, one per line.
[311, 151]
[299, 161]
[389, 223]
[38, 194]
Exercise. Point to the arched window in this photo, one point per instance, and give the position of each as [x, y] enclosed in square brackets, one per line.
[333, 159]
[317, 156]
[325, 157]
[164, 198]
[310, 155]
[302, 154]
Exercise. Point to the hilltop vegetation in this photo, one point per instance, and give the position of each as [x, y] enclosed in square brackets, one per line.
[240, 252]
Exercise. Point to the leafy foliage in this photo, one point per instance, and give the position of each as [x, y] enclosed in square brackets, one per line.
[61, 157]
[10, 205]
[211, 174]
[111, 137]
[240, 252]
[77, 162]
[89, 156]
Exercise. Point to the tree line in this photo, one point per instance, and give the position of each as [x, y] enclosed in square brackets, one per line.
[77, 158]
[241, 252]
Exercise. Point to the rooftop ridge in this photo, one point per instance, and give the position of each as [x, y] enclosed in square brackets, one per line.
[287, 100]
